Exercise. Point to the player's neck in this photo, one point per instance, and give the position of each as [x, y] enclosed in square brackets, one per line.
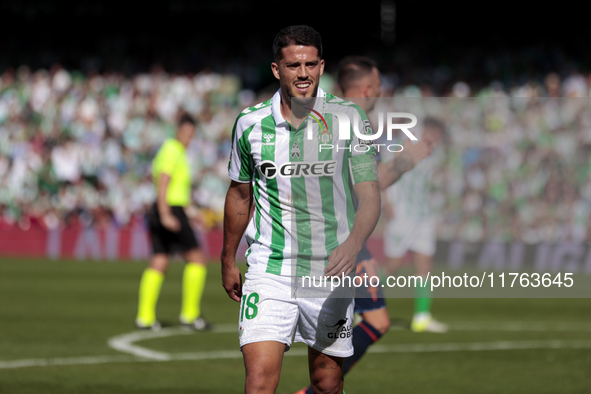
[357, 97]
[285, 106]
[295, 118]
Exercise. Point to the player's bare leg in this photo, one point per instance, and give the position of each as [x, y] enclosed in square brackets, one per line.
[194, 277]
[379, 319]
[195, 256]
[393, 264]
[262, 361]
[423, 264]
[159, 262]
[326, 372]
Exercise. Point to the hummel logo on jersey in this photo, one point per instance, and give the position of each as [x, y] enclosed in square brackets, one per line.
[269, 169]
[295, 150]
[268, 138]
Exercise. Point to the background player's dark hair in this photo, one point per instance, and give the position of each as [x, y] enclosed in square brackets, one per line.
[352, 68]
[296, 35]
[186, 118]
[434, 123]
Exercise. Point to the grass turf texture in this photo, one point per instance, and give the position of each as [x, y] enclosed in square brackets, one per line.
[57, 309]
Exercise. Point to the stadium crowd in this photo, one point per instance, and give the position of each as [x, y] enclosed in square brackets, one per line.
[76, 149]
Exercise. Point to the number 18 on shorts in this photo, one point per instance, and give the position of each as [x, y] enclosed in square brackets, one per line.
[268, 312]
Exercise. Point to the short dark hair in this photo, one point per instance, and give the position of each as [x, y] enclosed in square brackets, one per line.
[353, 68]
[436, 124]
[186, 118]
[433, 123]
[296, 35]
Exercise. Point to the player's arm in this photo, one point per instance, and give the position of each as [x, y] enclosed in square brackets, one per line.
[237, 209]
[343, 258]
[390, 172]
[168, 220]
[239, 200]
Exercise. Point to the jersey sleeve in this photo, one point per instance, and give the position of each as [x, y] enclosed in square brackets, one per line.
[363, 155]
[168, 158]
[241, 165]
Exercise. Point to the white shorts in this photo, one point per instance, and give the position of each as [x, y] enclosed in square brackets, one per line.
[268, 312]
[402, 235]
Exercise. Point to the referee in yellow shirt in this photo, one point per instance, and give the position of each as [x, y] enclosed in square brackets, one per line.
[171, 232]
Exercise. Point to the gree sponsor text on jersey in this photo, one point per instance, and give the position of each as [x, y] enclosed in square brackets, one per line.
[270, 170]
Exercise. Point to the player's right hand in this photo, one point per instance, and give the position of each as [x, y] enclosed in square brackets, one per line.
[171, 223]
[418, 151]
[232, 281]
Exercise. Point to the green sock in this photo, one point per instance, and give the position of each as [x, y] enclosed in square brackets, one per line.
[150, 285]
[423, 298]
[193, 285]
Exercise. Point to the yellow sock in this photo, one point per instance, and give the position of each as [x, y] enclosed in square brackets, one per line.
[150, 285]
[193, 285]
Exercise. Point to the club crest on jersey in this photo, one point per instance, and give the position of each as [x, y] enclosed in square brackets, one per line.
[268, 138]
[295, 150]
[325, 138]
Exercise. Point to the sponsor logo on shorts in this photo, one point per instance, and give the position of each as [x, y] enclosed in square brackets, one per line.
[341, 329]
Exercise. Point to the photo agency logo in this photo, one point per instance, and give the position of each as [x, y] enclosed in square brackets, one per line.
[365, 136]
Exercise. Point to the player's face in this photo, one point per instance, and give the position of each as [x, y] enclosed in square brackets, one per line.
[374, 89]
[185, 133]
[299, 71]
[433, 135]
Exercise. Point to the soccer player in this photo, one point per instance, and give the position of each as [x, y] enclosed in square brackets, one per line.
[411, 227]
[171, 232]
[304, 220]
[359, 80]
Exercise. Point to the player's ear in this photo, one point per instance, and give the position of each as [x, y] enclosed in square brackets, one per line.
[321, 66]
[366, 90]
[275, 69]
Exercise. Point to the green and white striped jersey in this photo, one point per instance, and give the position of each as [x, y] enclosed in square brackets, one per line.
[304, 200]
[410, 196]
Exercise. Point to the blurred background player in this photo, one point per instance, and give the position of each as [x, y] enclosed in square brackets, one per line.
[171, 232]
[359, 80]
[411, 226]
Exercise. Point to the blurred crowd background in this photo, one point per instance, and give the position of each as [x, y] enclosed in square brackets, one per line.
[76, 149]
[81, 119]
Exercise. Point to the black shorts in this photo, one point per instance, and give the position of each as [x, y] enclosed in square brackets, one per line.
[368, 298]
[164, 241]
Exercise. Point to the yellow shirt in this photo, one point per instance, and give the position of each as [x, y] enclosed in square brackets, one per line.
[171, 159]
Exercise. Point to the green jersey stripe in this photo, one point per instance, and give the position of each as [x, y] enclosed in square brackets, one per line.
[328, 201]
[301, 227]
[277, 231]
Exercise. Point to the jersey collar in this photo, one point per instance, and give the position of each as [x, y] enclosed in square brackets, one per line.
[276, 107]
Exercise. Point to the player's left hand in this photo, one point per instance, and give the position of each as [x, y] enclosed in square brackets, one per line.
[342, 260]
[418, 151]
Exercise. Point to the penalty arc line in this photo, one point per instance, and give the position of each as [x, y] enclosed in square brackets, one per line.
[236, 354]
[126, 342]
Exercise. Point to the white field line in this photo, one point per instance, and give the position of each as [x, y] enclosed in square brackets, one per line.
[521, 326]
[475, 326]
[234, 354]
[125, 343]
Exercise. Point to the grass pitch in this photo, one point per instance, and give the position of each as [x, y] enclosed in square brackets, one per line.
[57, 317]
